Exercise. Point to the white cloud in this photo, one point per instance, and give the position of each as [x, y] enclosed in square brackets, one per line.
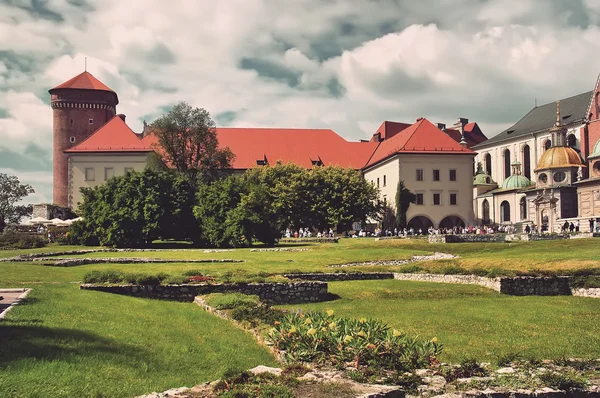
[485, 62]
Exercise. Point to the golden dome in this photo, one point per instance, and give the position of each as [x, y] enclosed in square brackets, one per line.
[559, 157]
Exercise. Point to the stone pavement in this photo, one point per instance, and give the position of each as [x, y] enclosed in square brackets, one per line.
[11, 296]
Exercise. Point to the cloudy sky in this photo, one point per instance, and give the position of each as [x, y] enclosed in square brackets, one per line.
[340, 64]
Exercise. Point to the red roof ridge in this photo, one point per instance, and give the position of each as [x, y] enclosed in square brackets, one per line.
[113, 135]
[84, 81]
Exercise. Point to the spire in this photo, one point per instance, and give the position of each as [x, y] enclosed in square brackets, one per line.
[462, 142]
[557, 114]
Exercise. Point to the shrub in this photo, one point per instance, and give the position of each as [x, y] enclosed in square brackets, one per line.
[109, 276]
[469, 367]
[320, 337]
[453, 270]
[563, 381]
[192, 272]
[410, 269]
[228, 301]
[20, 240]
[255, 314]
[176, 280]
[507, 359]
[80, 233]
[144, 279]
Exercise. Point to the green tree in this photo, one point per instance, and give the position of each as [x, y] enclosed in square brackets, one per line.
[187, 141]
[404, 197]
[11, 192]
[137, 208]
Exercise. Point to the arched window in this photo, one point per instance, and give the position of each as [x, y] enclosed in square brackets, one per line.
[505, 211]
[571, 141]
[488, 164]
[547, 144]
[485, 211]
[527, 161]
[523, 208]
[506, 163]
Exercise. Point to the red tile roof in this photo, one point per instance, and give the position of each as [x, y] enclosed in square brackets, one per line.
[84, 81]
[389, 129]
[472, 132]
[113, 136]
[421, 137]
[299, 146]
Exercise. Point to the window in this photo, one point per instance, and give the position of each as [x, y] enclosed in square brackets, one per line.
[505, 211]
[436, 199]
[485, 211]
[559, 176]
[385, 200]
[527, 161]
[419, 198]
[507, 163]
[488, 164]
[91, 121]
[436, 175]
[90, 174]
[108, 173]
[453, 199]
[128, 170]
[523, 208]
[452, 175]
[384, 180]
[547, 144]
[543, 178]
[419, 174]
[72, 140]
[571, 140]
[71, 121]
[377, 182]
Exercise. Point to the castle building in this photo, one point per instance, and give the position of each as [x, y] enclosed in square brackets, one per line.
[93, 143]
[540, 171]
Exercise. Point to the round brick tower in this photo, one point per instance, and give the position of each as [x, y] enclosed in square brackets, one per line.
[80, 106]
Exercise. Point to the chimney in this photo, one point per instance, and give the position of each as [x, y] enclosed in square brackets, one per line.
[441, 126]
[122, 116]
[146, 129]
[460, 124]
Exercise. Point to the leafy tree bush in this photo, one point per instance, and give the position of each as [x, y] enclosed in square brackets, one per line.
[137, 208]
[11, 192]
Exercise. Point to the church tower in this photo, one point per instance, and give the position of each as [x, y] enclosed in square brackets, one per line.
[80, 106]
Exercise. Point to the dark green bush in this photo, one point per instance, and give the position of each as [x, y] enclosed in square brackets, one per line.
[109, 276]
[563, 381]
[21, 240]
[80, 233]
[453, 270]
[176, 280]
[145, 279]
[410, 269]
[192, 272]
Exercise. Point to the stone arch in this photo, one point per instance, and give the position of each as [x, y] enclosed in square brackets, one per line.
[452, 221]
[487, 160]
[420, 221]
[485, 212]
[526, 152]
[505, 211]
[523, 208]
[506, 156]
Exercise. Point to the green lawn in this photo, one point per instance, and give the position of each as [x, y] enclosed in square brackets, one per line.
[64, 342]
[472, 321]
[67, 342]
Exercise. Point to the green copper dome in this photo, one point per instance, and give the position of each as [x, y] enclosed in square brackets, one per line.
[596, 152]
[482, 179]
[516, 181]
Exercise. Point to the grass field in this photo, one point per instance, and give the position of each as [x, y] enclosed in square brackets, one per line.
[67, 342]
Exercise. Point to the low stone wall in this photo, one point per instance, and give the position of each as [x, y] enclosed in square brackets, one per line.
[535, 237]
[593, 292]
[490, 283]
[309, 240]
[466, 238]
[535, 286]
[72, 262]
[275, 293]
[341, 276]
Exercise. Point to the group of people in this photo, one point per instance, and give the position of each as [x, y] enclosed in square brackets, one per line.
[307, 233]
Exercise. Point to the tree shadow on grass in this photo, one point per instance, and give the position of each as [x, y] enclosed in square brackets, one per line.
[19, 341]
[330, 297]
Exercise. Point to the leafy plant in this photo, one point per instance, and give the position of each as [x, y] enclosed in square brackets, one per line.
[563, 381]
[322, 338]
[227, 301]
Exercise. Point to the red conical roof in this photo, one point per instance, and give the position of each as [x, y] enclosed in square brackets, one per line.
[84, 81]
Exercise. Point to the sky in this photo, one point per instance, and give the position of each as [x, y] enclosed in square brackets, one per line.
[346, 65]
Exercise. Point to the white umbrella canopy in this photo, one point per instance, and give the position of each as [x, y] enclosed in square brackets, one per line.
[56, 221]
[39, 220]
